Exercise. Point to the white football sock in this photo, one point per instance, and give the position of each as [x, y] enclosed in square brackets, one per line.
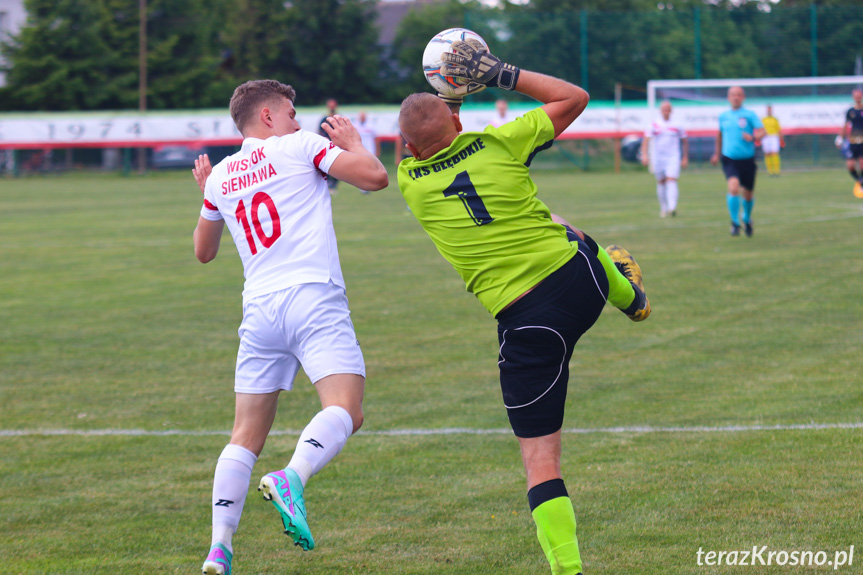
[230, 486]
[321, 440]
[671, 194]
[660, 193]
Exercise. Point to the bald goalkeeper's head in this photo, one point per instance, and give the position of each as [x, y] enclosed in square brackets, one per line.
[427, 125]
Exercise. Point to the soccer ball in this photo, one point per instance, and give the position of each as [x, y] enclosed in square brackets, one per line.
[442, 42]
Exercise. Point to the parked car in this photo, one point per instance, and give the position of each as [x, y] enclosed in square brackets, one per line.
[180, 156]
[630, 148]
[167, 157]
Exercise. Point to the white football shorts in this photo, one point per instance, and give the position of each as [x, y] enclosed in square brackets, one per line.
[307, 324]
[770, 144]
[664, 167]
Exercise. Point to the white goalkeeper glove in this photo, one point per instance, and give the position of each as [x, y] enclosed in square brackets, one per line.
[472, 61]
[451, 100]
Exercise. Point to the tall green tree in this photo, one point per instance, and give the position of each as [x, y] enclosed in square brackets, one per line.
[83, 55]
[331, 50]
[323, 48]
[254, 41]
[419, 26]
[634, 47]
[119, 30]
[840, 39]
[182, 54]
[596, 5]
[628, 47]
[60, 59]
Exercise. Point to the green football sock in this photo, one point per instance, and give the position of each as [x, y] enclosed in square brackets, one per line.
[620, 292]
[555, 529]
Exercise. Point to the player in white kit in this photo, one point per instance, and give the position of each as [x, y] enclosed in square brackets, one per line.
[369, 137]
[667, 138]
[273, 196]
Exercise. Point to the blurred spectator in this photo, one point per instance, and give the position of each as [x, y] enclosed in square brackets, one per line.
[368, 134]
[501, 114]
[332, 104]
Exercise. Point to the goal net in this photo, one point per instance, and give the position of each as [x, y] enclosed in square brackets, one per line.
[810, 110]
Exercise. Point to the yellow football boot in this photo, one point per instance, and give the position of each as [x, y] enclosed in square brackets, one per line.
[629, 268]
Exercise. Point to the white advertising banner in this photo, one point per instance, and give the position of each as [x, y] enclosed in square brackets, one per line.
[197, 129]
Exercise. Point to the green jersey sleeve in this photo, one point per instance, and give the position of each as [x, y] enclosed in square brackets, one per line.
[527, 135]
[478, 204]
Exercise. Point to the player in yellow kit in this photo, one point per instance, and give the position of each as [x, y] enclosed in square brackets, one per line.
[472, 193]
[772, 142]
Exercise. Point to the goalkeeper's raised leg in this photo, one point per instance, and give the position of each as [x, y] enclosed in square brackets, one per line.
[544, 289]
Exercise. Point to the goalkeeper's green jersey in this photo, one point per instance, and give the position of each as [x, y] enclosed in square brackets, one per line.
[478, 204]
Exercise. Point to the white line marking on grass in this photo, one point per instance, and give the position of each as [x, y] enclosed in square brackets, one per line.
[442, 431]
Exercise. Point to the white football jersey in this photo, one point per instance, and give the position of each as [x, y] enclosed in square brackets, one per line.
[497, 121]
[273, 196]
[367, 135]
[666, 138]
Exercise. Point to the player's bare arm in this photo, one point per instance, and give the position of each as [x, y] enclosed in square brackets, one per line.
[362, 170]
[207, 237]
[684, 159]
[356, 165]
[563, 102]
[756, 134]
[471, 61]
[714, 159]
[645, 155]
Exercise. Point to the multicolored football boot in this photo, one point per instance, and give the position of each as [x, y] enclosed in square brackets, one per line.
[285, 490]
[218, 561]
[626, 265]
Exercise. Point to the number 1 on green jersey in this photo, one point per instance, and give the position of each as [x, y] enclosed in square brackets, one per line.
[463, 188]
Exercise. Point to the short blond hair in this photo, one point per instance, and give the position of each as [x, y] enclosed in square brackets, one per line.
[419, 117]
[250, 97]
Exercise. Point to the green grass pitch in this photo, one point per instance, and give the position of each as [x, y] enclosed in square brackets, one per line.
[107, 322]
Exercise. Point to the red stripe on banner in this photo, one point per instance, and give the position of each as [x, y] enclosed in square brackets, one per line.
[197, 144]
[119, 144]
[210, 206]
[690, 133]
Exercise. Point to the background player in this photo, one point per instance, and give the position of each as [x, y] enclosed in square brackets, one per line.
[332, 110]
[772, 142]
[668, 137]
[473, 195]
[273, 196]
[735, 144]
[852, 131]
[369, 137]
[501, 114]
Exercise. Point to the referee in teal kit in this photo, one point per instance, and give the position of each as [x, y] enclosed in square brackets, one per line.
[735, 144]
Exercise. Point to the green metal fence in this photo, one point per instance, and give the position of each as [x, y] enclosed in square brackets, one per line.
[598, 49]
